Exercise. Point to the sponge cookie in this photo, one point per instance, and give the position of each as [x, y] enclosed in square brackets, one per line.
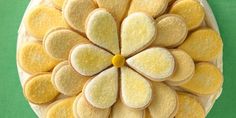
[82, 109]
[41, 19]
[164, 103]
[203, 45]
[101, 29]
[89, 60]
[137, 32]
[75, 13]
[34, 59]
[189, 107]
[155, 63]
[61, 108]
[58, 42]
[184, 70]
[119, 110]
[66, 80]
[191, 10]
[206, 80]
[136, 92]
[171, 30]
[38, 89]
[151, 7]
[101, 91]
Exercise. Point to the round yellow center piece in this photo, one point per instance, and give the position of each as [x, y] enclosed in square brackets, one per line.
[118, 60]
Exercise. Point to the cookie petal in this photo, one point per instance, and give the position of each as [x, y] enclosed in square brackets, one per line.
[82, 109]
[61, 108]
[66, 80]
[119, 110]
[137, 32]
[206, 80]
[42, 19]
[101, 91]
[101, 29]
[189, 107]
[75, 13]
[89, 60]
[136, 92]
[203, 45]
[155, 63]
[164, 103]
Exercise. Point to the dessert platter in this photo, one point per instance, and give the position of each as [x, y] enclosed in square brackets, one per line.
[120, 58]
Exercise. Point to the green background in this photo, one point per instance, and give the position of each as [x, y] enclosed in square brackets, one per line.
[13, 104]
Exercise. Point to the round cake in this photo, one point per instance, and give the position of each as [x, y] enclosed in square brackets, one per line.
[120, 58]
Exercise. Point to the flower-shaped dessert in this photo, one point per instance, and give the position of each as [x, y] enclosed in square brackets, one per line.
[121, 60]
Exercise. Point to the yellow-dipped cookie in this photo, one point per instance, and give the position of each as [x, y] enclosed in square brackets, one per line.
[119, 110]
[101, 91]
[117, 8]
[151, 7]
[155, 63]
[82, 109]
[203, 45]
[164, 103]
[171, 31]
[189, 107]
[89, 60]
[191, 10]
[137, 32]
[61, 109]
[184, 70]
[38, 89]
[136, 91]
[76, 11]
[101, 29]
[58, 3]
[66, 80]
[206, 80]
[59, 42]
[41, 19]
[34, 59]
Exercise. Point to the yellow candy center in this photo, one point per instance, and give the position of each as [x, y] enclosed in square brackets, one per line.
[118, 60]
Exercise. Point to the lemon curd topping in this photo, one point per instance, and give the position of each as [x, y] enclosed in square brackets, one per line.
[118, 60]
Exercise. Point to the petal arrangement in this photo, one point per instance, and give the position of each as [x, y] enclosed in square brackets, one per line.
[120, 59]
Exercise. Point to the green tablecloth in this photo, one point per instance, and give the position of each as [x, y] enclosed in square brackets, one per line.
[13, 104]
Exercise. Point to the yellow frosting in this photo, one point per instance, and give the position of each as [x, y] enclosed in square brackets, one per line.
[39, 89]
[61, 109]
[41, 19]
[33, 58]
[206, 80]
[118, 60]
[189, 107]
[191, 10]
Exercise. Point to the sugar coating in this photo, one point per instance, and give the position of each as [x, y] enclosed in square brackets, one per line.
[136, 91]
[59, 42]
[137, 32]
[101, 29]
[151, 7]
[189, 107]
[101, 91]
[34, 59]
[207, 79]
[164, 102]
[203, 45]
[88, 59]
[39, 89]
[191, 10]
[155, 63]
[41, 19]
[76, 11]
[61, 109]
[82, 109]
[120, 110]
